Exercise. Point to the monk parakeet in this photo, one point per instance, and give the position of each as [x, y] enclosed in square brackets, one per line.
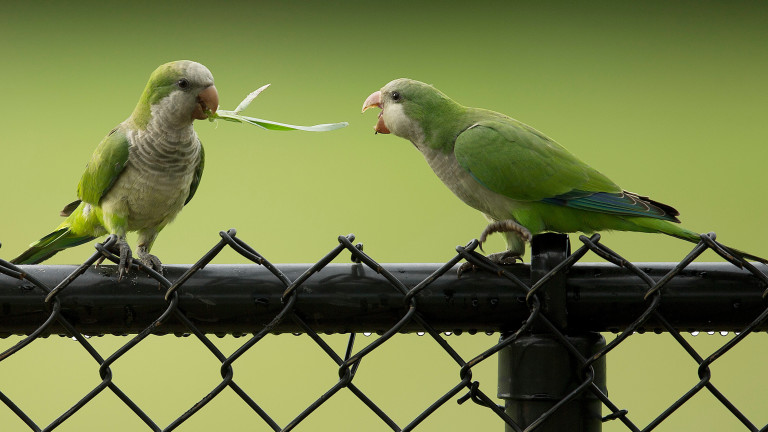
[143, 172]
[521, 180]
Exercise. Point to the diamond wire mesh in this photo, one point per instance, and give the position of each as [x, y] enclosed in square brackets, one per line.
[464, 390]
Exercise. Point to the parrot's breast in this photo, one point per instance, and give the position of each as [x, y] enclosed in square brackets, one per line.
[155, 184]
[466, 187]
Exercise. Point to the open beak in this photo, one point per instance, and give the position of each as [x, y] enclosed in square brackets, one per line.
[207, 100]
[374, 100]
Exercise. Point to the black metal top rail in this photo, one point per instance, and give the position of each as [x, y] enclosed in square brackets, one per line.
[241, 299]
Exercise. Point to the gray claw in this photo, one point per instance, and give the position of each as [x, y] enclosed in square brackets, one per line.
[505, 258]
[501, 258]
[126, 259]
[465, 266]
[150, 260]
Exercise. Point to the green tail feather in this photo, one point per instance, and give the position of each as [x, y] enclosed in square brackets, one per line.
[50, 245]
[748, 256]
[677, 231]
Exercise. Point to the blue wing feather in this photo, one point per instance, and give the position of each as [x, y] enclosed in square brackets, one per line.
[624, 203]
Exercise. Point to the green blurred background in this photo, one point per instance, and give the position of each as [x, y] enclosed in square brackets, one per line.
[668, 100]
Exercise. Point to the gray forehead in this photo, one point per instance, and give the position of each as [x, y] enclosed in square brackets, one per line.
[198, 73]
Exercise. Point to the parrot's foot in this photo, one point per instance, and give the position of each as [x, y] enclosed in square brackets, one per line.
[501, 258]
[506, 225]
[150, 260]
[126, 258]
[505, 258]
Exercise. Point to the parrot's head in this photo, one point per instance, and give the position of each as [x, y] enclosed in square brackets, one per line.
[408, 107]
[178, 93]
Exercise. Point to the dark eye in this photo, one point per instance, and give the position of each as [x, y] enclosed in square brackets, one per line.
[395, 96]
[183, 83]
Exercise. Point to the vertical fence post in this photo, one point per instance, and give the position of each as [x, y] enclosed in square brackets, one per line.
[536, 371]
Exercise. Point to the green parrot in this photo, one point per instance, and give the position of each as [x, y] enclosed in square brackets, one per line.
[143, 172]
[521, 180]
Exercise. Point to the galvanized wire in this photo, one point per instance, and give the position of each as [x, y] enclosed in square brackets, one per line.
[542, 318]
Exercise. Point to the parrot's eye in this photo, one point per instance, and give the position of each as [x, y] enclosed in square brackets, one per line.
[183, 83]
[395, 96]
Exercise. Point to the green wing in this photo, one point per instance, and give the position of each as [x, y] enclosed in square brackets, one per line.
[517, 161]
[198, 175]
[106, 164]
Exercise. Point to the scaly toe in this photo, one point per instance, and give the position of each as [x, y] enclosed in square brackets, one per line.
[500, 258]
[506, 225]
[126, 259]
[151, 261]
[505, 258]
[466, 266]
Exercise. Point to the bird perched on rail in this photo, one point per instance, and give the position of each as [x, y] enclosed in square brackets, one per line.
[143, 172]
[521, 180]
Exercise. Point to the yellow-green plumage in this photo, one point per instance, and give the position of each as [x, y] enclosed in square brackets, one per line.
[143, 172]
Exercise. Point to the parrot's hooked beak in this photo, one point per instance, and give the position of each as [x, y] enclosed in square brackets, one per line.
[208, 99]
[374, 100]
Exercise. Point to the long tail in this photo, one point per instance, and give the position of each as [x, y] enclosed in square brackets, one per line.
[50, 245]
[77, 229]
[677, 231]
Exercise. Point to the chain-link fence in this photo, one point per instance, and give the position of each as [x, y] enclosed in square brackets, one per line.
[552, 374]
